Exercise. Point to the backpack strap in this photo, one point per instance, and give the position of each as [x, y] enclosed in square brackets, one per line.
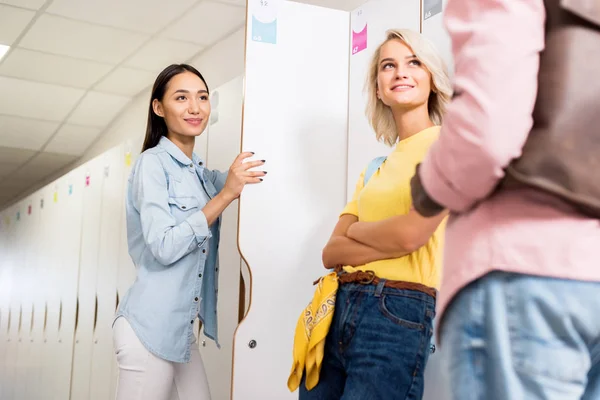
[372, 168]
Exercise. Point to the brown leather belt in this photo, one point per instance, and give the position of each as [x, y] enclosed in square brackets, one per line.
[369, 278]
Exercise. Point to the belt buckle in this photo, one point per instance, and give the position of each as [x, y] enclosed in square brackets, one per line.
[368, 280]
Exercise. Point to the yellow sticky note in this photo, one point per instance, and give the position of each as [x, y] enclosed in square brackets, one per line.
[128, 159]
[55, 197]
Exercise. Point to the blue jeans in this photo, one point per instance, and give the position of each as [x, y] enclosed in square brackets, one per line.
[377, 346]
[512, 336]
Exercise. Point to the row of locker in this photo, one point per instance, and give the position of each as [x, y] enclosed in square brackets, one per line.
[64, 265]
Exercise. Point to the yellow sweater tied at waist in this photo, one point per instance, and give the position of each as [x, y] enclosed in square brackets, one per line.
[311, 332]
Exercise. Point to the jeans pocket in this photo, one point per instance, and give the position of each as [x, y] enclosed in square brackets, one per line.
[403, 310]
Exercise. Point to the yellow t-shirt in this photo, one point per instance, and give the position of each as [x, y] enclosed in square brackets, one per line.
[387, 194]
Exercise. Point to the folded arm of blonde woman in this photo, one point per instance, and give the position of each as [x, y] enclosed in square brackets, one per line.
[401, 234]
[343, 250]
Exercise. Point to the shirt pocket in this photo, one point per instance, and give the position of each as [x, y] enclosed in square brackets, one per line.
[182, 207]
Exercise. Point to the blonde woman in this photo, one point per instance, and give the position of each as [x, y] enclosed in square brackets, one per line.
[378, 341]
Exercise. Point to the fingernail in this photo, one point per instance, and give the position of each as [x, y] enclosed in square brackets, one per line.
[263, 160]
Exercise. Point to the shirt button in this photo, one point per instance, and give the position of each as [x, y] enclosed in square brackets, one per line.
[191, 165]
[196, 299]
[192, 321]
[203, 250]
[183, 207]
[200, 163]
[199, 275]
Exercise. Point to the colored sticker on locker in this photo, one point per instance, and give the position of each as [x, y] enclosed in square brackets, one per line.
[56, 197]
[87, 180]
[42, 203]
[70, 189]
[264, 20]
[29, 210]
[18, 215]
[359, 31]
[106, 171]
[128, 159]
[431, 8]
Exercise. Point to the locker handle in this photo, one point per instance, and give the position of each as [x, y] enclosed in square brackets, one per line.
[45, 316]
[118, 300]
[76, 314]
[32, 319]
[9, 320]
[96, 313]
[60, 316]
[20, 318]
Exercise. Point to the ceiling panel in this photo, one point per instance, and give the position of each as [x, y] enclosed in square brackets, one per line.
[147, 16]
[217, 19]
[22, 63]
[73, 139]
[126, 81]
[6, 169]
[157, 54]
[31, 4]
[11, 155]
[41, 166]
[25, 133]
[98, 109]
[63, 36]
[12, 22]
[36, 100]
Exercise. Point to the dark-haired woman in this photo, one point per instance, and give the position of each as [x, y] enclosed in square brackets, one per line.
[173, 216]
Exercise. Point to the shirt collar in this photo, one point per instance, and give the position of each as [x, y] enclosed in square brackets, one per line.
[177, 154]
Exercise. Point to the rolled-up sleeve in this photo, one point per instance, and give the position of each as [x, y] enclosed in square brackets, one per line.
[167, 240]
[496, 46]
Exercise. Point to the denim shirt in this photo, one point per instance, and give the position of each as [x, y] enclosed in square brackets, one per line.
[174, 251]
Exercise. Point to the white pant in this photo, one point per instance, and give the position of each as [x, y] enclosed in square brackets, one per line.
[143, 376]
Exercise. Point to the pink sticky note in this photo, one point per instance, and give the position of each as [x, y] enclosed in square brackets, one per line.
[359, 40]
[87, 180]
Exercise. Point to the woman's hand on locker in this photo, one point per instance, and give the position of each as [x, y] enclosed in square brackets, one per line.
[239, 175]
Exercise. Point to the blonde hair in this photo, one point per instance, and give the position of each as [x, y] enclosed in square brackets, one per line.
[380, 116]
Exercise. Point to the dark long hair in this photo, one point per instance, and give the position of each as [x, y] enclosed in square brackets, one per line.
[156, 127]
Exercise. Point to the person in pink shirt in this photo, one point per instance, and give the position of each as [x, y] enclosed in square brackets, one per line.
[518, 313]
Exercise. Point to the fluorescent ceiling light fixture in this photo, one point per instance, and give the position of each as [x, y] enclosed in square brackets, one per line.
[3, 50]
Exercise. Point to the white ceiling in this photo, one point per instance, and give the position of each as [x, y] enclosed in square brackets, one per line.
[74, 65]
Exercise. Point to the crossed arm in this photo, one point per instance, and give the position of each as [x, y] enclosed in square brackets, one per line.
[358, 243]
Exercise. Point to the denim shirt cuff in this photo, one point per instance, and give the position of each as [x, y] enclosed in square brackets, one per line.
[199, 226]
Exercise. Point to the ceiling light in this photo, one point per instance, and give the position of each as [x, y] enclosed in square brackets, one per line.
[3, 50]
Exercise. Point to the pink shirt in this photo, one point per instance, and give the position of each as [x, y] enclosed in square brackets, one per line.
[496, 45]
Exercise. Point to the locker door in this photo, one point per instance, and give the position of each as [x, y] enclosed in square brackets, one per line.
[91, 187]
[70, 209]
[17, 299]
[40, 279]
[125, 269]
[103, 358]
[8, 292]
[224, 141]
[24, 364]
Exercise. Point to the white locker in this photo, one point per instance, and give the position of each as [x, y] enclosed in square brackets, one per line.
[65, 217]
[224, 141]
[295, 117]
[30, 221]
[377, 16]
[9, 292]
[35, 388]
[103, 357]
[125, 269]
[17, 260]
[90, 185]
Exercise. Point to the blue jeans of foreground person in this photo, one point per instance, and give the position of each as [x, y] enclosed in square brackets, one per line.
[377, 346]
[515, 337]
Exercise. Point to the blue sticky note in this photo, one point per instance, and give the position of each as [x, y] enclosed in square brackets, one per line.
[264, 32]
